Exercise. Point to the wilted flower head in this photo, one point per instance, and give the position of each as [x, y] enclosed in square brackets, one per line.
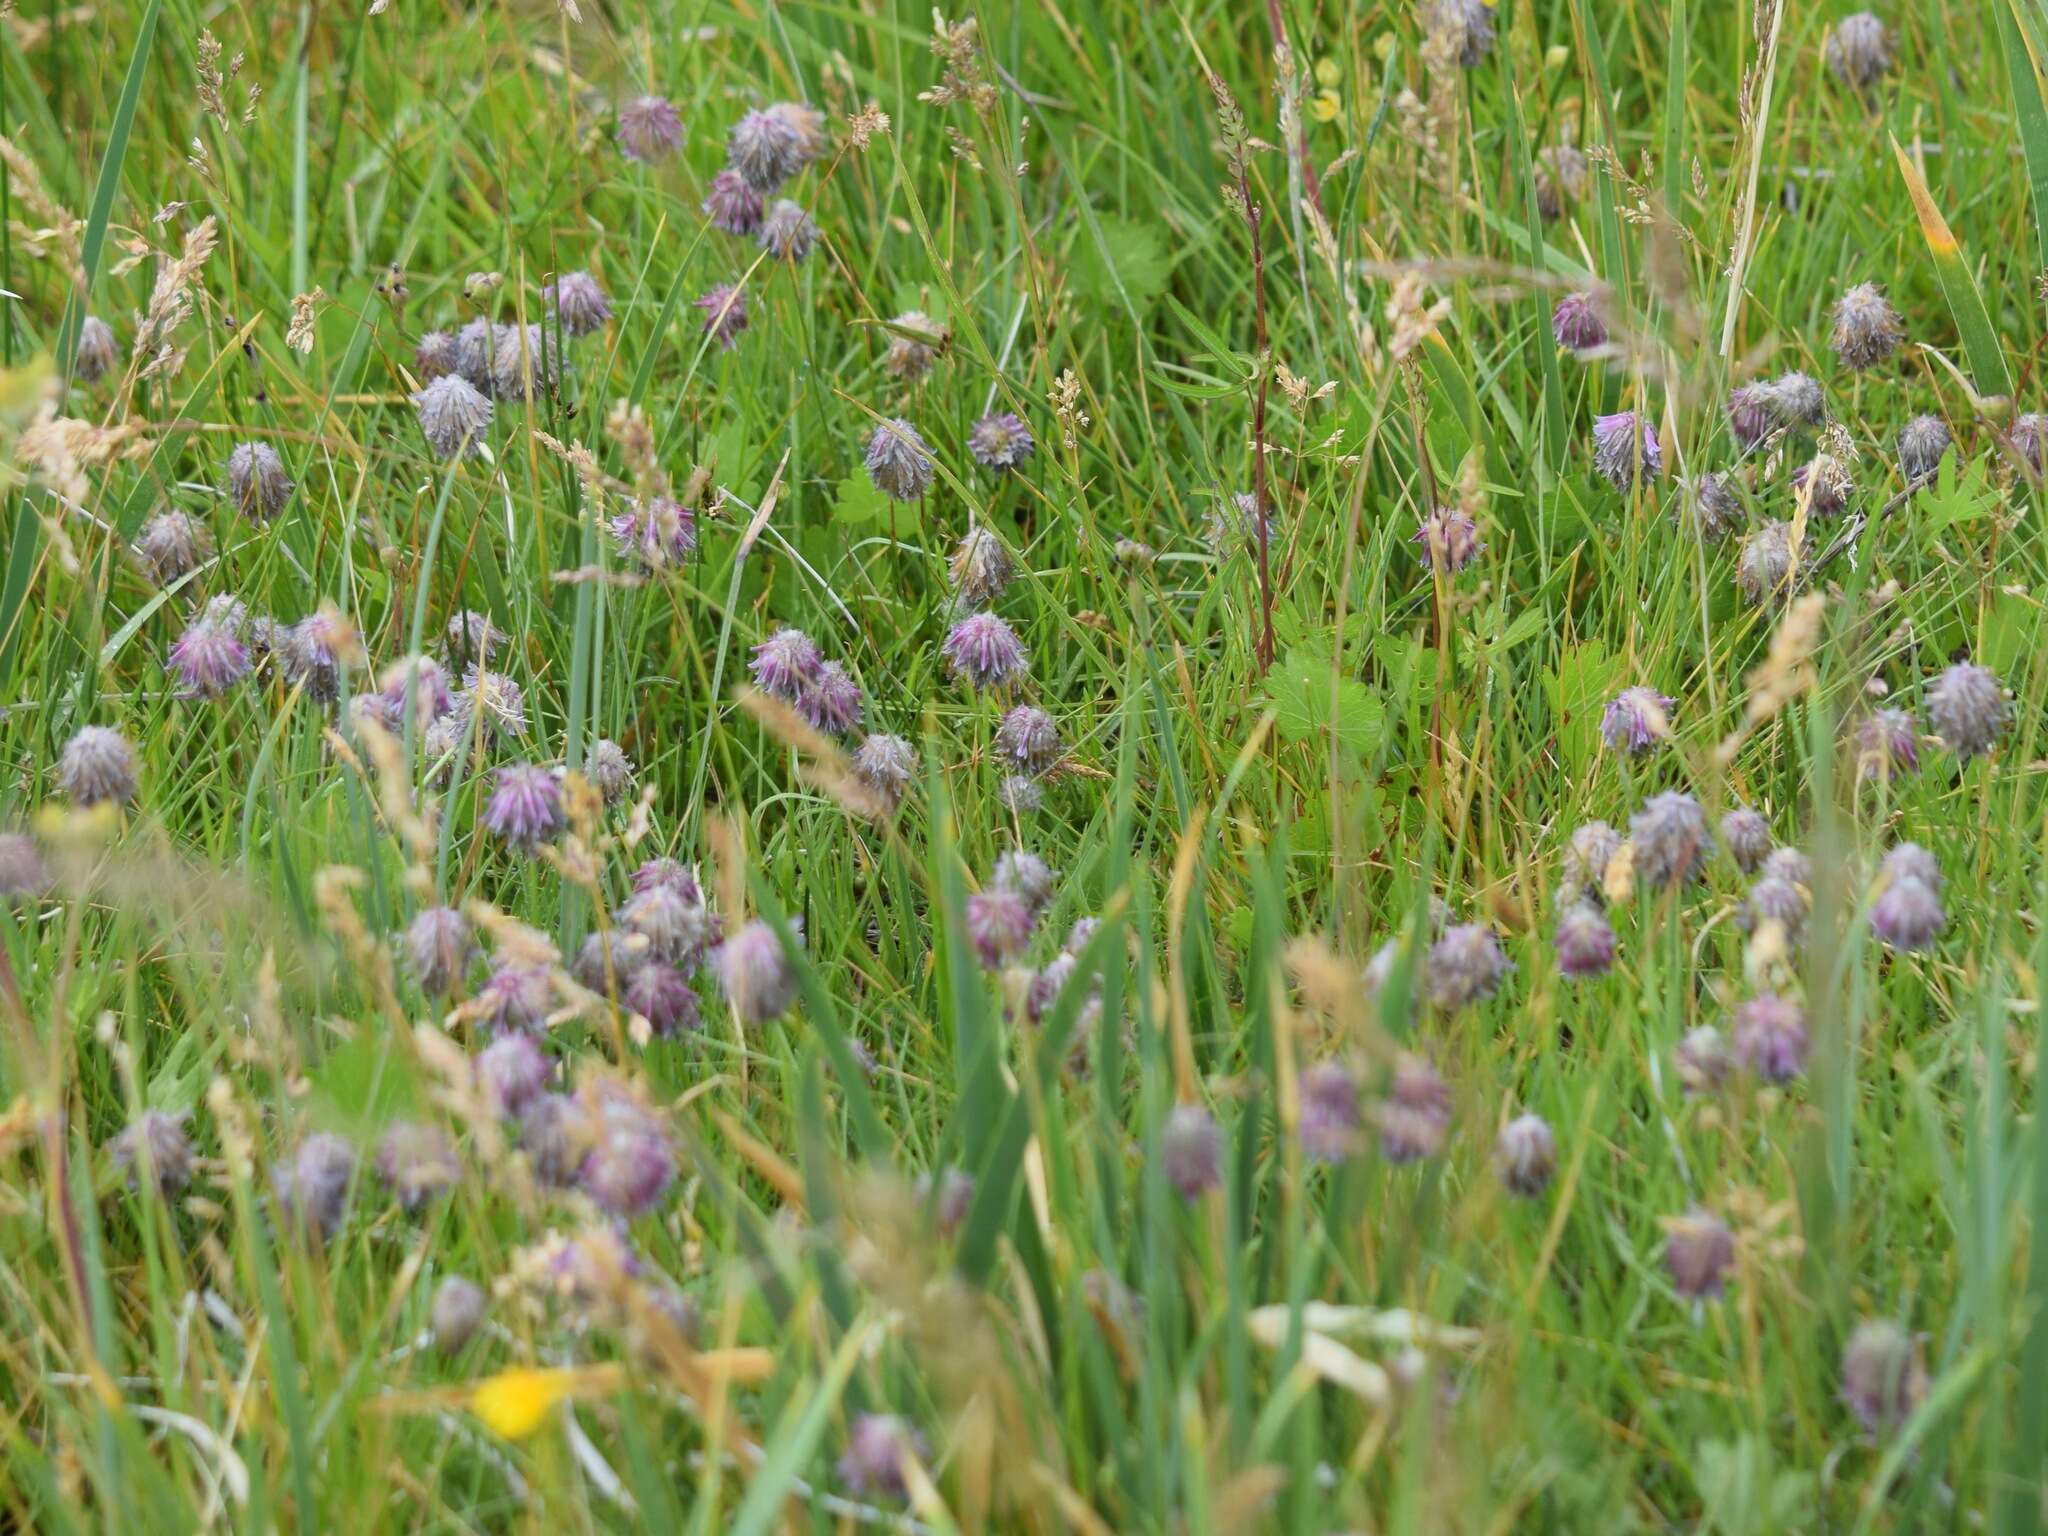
[257, 482]
[765, 149]
[1770, 1038]
[872, 1464]
[732, 205]
[98, 764]
[1716, 508]
[1027, 737]
[674, 920]
[1448, 541]
[725, 315]
[1636, 719]
[915, 342]
[606, 961]
[1022, 794]
[1764, 568]
[457, 1311]
[1751, 413]
[2029, 433]
[999, 923]
[658, 533]
[517, 999]
[1907, 914]
[1887, 742]
[630, 1164]
[511, 1072]
[1329, 1113]
[786, 232]
[1191, 1150]
[440, 947]
[1796, 400]
[1000, 441]
[1922, 442]
[949, 1197]
[1698, 1248]
[608, 769]
[172, 543]
[312, 1189]
[984, 652]
[1883, 1379]
[524, 362]
[1671, 839]
[1585, 859]
[22, 870]
[1966, 708]
[491, 702]
[1867, 329]
[885, 765]
[1747, 835]
[435, 354]
[1415, 1113]
[1465, 965]
[1625, 449]
[1525, 1155]
[1469, 23]
[97, 354]
[472, 638]
[454, 416]
[1702, 1060]
[1825, 481]
[525, 808]
[982, 567]
[1585, 941]
[1577, 324]
[650, 129]
[756, 976]
[831, 700]
[579, 303]
[898, 461]
[155, 1148]
[417, 1161]
[209, 656]
[1560, 179]
[1859, 50]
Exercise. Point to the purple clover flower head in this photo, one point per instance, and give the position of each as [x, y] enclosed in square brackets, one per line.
[525, 808]
[1577, 323]
[1330, 1114]
[982, 567]
[1774, 899]
[1029, 876]
[23, 874]
[1866, 327]
[1465, 965]
[786, 232]
[1001, 441]
[1966, 708]
[473, 640]
[807, 123]
[1770, 1038]
[1883, 1377]
[1829, 482]
[1910, 861]
[517, 999]
[876, 1448]
[725, 315]
[1525, 1155]
[1414, 1114]
[672, 917]
[155, 1151]
[1791, 865]
[756, 976]
[1717, 510]
[765, 149]
[898, 461]
[999, 924]
[650, 129]
[1887, 744]
[494, 701]
[511, 1073]
[1585, 860]
[526, 362]
[454, 416]
[1859, 51]
[1447, 541]
[1698, 1250]
[786, 663]
[984, 652]
[98, 766]
[663, 996]
[1702, 1060]
[1796, 400]
[732, 205]
[257, 482]
[579, 304]
[1908, 915]
[209, 657]
[669, 872]
[831, 700]
[171, 544]
[417, 1161]
[885, 766]
[457, 1311]
[1027, 737]
[1191, 1150]
[915, 342]
[630, 1164]
[1922, 442]
[1671, 840]
[1751, 414]
[440, 949]
[313, 1188]
[606, 961]
[658, 533]
[1585, 942]
[1746, 833]
[551, 1135]
[1625, 449]
[1763, 570]
[1636, 719]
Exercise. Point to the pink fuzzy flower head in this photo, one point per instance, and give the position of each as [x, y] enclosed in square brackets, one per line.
[984, 652]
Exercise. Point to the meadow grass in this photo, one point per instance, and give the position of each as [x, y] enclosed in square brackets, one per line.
[1073, 192]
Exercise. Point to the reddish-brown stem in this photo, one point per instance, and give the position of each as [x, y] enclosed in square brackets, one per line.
[1261, 508]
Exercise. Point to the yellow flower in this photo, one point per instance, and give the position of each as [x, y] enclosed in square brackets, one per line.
[514, 1403]
[1325, 106]
[1327, 73]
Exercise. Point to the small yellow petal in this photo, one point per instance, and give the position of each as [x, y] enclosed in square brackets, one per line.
[1326, 106]
[1327, 73]
[515, 1403]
